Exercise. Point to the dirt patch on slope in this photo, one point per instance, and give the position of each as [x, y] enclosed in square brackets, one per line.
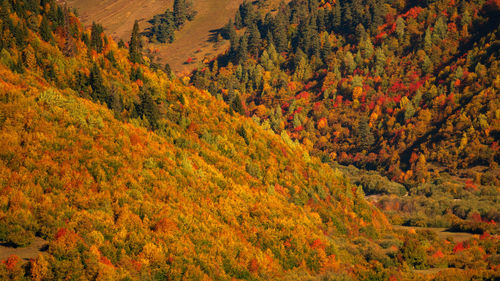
[118, 16]
[32, 251]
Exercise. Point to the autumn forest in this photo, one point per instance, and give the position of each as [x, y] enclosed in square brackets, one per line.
[333, 140]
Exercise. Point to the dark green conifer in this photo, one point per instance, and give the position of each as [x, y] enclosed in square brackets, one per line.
[135, 45]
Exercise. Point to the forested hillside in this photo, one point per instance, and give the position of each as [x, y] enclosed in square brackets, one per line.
[129, 173]
[409, 89]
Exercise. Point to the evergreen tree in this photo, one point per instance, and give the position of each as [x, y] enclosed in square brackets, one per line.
[428, 40]
[135, 45]
[400, 28]
[254, 40]
[148, 109]
[99, 90]
[237, 105]
[45, 30]
[232, 36]
[96, 42]
[238, 22]
[349, 63]
[243, 49]
[440, 30]
[337, 15]
[364, 134]
[279, 32]
[180, 13]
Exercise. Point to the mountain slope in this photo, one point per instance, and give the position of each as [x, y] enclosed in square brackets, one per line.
[208, 195]
[407, 89]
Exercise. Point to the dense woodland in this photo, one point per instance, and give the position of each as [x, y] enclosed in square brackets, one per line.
[132, 174]
[409, 89]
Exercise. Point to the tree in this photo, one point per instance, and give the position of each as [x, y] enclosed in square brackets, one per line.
[180, 13]
[349, 63]
[337, 15]
[279, 32]
[148, 109]
[243, 49]
[440, 29]
[232, 36]
[400, 28]
[428, 40]
[364, 135]
[29, 58]
[99, 90]
[96, 42]
[254, 40]
[45, 30]
[237, 105]
[135, 45]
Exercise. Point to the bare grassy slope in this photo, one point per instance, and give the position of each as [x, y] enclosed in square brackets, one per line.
[193, 40]
[118, 17]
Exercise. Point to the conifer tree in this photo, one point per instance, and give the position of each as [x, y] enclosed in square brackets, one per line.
[135, 45]
[180, 13]
[254, 39]
[337, 15]
[99, 90]
[96, 42]
[243, 49]
[233, 38]
[279, 31]
[238, 22]
[45, 30]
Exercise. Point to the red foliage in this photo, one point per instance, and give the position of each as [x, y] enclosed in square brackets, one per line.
[469, 184]
[316, 106]
[317, 244]
[339, 99]
[11, 262]
[308, 85]
[380, 36]
[137, 264]
[396, 87]
[105, 261]
[285, 105]
[254, 265]
[303, 95]
[61, 232]
[413, 157]
[413, 12]
[287, 244]
[397, 98]
[438, 254]
[371, 106]
[459, 247]
[393, 28]
[135, 139]
[299, 128]
[452, 27]
[485, 235]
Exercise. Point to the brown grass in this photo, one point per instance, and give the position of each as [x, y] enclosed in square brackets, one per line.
[118, 16]
[26, 253]
[441, 232]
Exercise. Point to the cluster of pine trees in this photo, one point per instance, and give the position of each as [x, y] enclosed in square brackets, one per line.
[399, 87]
[163, 26]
